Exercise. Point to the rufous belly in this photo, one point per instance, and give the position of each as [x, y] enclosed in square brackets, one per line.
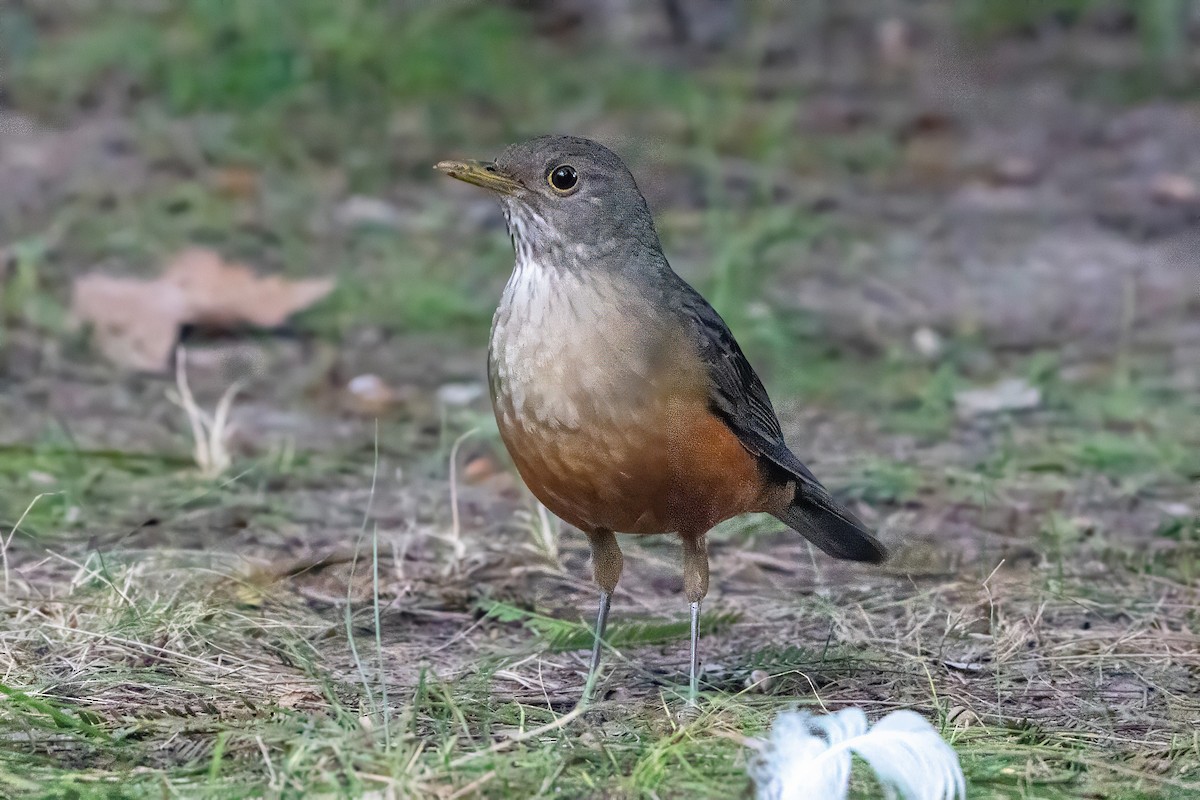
[676, 469]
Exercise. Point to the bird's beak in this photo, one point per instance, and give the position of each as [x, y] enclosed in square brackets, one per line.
[480, 173]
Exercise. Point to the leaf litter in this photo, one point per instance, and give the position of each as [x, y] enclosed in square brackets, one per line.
[136, 323]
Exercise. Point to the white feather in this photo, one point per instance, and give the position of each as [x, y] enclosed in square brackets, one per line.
[808, 758]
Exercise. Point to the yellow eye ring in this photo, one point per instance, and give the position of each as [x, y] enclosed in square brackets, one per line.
[563, 178]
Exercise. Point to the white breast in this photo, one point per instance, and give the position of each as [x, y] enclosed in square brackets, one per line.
[563, 348]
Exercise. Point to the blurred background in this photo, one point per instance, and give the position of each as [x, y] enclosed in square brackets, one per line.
[891, 202]
[992, 177]
[960, 240]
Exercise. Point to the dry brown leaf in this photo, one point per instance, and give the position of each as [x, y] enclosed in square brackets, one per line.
[239, 182]
[300, 698]
[479, 469]
[226, 294]
[137, 322]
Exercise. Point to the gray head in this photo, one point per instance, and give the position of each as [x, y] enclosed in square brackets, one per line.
[567, 198]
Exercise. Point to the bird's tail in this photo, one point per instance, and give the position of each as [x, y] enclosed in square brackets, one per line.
[830, 526]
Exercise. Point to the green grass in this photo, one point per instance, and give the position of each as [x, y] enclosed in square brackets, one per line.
[557, 634]
[301, 82]
[216, 731]
[304, 97]
[167, 628]
[143, 674]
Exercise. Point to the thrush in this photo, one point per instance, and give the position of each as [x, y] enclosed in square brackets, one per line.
[623, 398]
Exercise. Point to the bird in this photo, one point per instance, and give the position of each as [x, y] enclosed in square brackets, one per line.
[621, 395]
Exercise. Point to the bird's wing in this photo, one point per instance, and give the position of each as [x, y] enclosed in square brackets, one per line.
[737, 397]
[736, 394]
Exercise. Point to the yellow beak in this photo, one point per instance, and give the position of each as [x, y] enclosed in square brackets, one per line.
[480, 173]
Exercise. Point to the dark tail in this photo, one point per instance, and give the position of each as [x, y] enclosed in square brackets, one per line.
[830, 526]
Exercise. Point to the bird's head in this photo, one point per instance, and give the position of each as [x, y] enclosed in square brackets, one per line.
[564, 193]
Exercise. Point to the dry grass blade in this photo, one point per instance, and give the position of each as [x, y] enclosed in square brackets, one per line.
[459, 550]
[16, 527]
[209, 432]
[512, 741]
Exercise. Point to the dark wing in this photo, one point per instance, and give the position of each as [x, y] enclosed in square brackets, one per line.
[737, 395]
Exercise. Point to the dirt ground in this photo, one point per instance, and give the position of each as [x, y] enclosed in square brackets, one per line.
[368, 601]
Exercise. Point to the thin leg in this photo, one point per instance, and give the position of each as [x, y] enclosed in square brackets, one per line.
[694, 685]
[695, 586]
[594, 667]
[607, 562]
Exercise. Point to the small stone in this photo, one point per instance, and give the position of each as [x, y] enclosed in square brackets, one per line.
[459, 394]
[893, 36]
[1012, 394]
[1015, 171]
[363, 211]
[927, 343]
[758, 311]
[1172, 189]
[1179, 510]
[369, 394]
[760, 681]
[1085, 526]
[41, 478]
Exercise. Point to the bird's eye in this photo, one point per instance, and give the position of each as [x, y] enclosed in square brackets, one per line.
[563, 178]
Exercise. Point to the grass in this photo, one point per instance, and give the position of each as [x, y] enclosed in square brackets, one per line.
[317, 620]
[240, 699]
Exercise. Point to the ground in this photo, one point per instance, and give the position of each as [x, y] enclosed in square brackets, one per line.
[891, 205]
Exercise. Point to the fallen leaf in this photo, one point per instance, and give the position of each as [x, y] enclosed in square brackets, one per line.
[479, 469]
[226, 294]
[299, 698]
[136, 322]
[239, 182]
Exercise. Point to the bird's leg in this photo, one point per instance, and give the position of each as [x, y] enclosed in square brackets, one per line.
[606, 569]
[695, 586]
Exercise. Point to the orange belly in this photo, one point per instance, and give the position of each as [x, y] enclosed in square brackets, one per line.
[673, 467]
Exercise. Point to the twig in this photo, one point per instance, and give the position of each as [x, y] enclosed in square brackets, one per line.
[504, 744]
